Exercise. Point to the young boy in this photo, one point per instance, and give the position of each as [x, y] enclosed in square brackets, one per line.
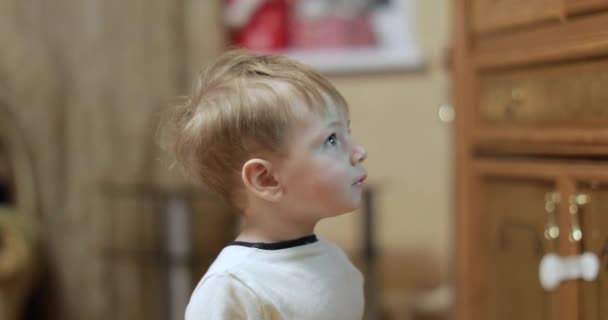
[272, 137]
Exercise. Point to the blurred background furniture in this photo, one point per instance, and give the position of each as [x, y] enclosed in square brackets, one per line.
[19, 263]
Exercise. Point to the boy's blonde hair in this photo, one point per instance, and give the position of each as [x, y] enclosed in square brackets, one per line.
[241, 107]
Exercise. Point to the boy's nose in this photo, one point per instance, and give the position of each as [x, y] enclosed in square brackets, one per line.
[359, 155]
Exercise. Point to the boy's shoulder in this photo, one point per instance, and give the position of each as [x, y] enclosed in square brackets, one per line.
[223, 271]
[222, 295]
[230, 259]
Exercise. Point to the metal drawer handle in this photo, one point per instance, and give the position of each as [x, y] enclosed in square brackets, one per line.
[576, 201]
[552, 227]
[516, 99]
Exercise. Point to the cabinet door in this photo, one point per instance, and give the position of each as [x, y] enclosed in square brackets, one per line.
[594, 222]
[514, 219]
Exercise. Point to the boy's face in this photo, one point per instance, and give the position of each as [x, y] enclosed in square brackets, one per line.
[322, 175]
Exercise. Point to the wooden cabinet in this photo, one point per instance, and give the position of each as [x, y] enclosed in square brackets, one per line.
[530, 83]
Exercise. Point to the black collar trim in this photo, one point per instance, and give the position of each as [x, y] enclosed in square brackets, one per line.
[277, 245]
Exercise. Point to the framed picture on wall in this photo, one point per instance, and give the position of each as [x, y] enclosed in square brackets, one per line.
[334, 36]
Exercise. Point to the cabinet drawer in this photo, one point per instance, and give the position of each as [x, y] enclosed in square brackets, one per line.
[573, 95]
[492, 15]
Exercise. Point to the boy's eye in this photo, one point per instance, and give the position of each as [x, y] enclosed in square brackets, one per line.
[331, 140]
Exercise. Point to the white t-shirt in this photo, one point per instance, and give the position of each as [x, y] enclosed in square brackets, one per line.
[301, 279]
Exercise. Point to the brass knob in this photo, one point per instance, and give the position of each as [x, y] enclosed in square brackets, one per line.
[552, 227]
[517, 95]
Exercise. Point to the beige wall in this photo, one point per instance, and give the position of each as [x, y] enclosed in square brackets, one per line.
[395, 117]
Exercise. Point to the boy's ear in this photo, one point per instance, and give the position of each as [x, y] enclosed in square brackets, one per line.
[258, 177]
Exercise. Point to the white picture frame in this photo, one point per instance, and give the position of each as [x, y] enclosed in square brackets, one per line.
[397, 50]
[393, 27]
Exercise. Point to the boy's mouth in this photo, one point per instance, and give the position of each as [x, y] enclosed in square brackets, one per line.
[360, 180]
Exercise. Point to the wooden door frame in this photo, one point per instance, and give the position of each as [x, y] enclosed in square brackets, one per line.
[464, 81]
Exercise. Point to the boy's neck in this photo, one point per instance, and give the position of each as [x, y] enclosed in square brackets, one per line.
[270, 234]
[271, 228]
